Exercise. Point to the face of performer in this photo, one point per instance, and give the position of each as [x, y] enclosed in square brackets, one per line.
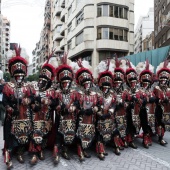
[118, 80]
[65, 85]
[87, 85]
[19, 78]
[42, 83]
[146, 80]
[132, 80]
[163, 78]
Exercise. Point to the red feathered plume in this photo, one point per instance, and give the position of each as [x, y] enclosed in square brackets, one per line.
[47, 65]
[64, 58]
[166, 63]
[128, 63]
[147, 64]
[17, 50]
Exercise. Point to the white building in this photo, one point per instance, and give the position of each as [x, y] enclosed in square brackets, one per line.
[144, 27]
[93, 30]
[4, 40]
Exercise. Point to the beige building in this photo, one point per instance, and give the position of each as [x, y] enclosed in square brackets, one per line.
[93, 30]
[148, 42]
[4, 40]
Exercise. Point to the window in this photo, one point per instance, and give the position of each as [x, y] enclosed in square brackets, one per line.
[111, 11]
[116, 13]
[99, 33]
[168, 34]
[121, 35]
[125, 35]
[116, 35]
[163, 38]
[159, 42]
[58, 29]
[99, 11]
[69, 10]
[69, 27]
[80, 18]
[79, 38]
[69, 45]
[125, 13]
[105, 33]
[105, 10]
[112, 34]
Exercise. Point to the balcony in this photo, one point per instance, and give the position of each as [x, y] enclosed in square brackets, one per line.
[57, 22]
[57, 10]
[47, 22]
[57, 36]
[62, 29]
[63, 43]
[62, 3]
[58, 50]
[62, 15]
[111, 21]
[84, 46]
[109, 44]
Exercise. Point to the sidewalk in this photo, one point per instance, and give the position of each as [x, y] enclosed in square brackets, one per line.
[155, 158]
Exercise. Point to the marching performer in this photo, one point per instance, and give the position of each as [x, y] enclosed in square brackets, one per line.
[147, 110]
[16, 99]
[87, 105]
[120, 110]
[105, 116]
[132, 97]
[162, 93]
[66, 110]
[42, 110]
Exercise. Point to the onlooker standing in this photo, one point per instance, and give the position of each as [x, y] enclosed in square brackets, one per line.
[2, 108]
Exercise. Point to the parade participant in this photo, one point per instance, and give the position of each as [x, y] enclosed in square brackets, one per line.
[66, 110]
[131, 96]
[147, 110]
[120, 110]
[87, 105]
[42, 109]
[16, 99]
[105, 116]
[162, 93]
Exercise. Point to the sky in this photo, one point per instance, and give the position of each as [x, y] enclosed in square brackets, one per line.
[26, 17]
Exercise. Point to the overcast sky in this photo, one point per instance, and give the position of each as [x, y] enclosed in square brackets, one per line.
[27, 19]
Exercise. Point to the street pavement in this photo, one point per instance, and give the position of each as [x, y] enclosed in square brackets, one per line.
[155, 158]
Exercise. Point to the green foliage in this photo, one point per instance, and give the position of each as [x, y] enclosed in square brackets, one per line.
[33, 77]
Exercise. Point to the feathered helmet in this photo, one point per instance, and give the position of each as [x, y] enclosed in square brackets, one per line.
[131, 73]
[105, 77]
[119, 73]
[145, 71]
[64, 71]
[83, 73]
[163, 70]
[48, 70]
[17, 65]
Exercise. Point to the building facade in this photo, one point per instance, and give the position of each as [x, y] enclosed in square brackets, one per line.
[4, 40]
[144, 27]
[148, 42]
[93, 30]
[162, 23]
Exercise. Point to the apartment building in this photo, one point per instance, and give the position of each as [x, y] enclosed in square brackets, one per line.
[44, 46]
[148, 42]
[162, 22]
[4, 40]
[93, 30]
[144, 27]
